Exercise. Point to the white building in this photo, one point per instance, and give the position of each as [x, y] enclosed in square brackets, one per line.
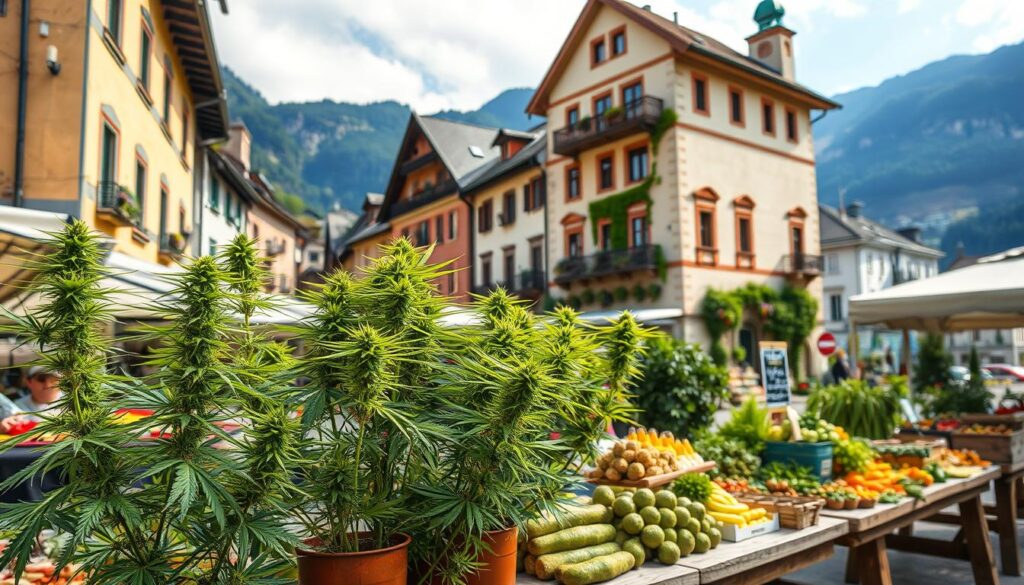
[226, 195]
[862, 256]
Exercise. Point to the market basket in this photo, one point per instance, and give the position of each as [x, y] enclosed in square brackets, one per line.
[794, 512]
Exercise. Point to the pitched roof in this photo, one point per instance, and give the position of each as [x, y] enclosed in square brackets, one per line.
[681, 39]
[462, 147]
[842, 229]
[534, 153]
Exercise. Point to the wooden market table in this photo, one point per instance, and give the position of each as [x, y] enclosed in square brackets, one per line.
[759, 560]
[873, 531]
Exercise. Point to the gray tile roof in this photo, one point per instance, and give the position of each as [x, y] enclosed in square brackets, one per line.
[455, 143]
[842, 229]
[533, 153]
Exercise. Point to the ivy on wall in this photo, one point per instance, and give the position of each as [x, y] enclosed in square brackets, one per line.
[615, 207]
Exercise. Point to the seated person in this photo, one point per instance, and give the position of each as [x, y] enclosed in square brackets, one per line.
[10, 415]
[43, 390]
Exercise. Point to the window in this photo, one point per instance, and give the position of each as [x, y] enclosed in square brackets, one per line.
[797, 239]
[510, 268]
[574, 244]
[604, 235]
[181, 217]
[184, 129]
[508, 213]
[3, 7]
[486, 216]
[572, 116]
[485, 269]
[605, 173]
[572, 183]
[140, 183]
[619, 42]
[423, 233]
[791, 128]
[213, 246]
[453, 283]
[168, 90]
[832, 264]
[598, 52]
[602, 104]
[439, 229]
[452, 232]
[638, 229]
[108, 163]
[533, 193]
[768, 117]
[746, 244]
[165, 201]
[114, 10]
[537, 255]
[637, 164]
[631, 99]
[707, 229]
[736, 107]
[835, 303]
[314, 257]
[700, 94]
[214, 193]
[145, 55]
[527, 196]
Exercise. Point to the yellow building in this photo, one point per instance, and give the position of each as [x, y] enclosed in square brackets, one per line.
[113, 99]
[676, 164]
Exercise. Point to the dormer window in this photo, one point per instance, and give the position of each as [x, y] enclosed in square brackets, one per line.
[598, 52]
[619, 42]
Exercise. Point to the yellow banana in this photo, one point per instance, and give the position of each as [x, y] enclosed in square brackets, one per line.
[728, 518]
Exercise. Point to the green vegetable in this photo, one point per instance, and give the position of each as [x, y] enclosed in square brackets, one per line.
[643, 498]
[604, 495]
[695, 486]
[863, 411]
[547, 565]
[732, 457]
[853, 455]
[650, 515]
[669, 553]
[652, 536]
[633, 523]
[668, 518]
[749, 424]
[596, 570]
[624, 505]
[937, 472]
[572, 539]
[636, 548]
[573, 516]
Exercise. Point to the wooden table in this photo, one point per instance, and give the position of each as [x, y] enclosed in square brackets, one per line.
[873, 531]
[649, 574]
[763, 559]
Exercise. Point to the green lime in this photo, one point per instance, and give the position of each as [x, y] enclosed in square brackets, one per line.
[716, 537]
[633, 523]
[636, 548]
[652, 536]
[693, 525]
[621, 537]
[682, 516]
[683, 501]
[686, 542]
[604, 495]
[623, 505]
[696, 510]
[669, 553]
[668, 518]
[665, 499]
[643, 498]
[705, 526]
[703, 543]
[651, 515]
[671, 534]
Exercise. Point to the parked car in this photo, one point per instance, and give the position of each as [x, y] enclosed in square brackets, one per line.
[962, 374]
[1005, 372]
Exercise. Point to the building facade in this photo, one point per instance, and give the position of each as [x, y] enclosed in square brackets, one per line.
[674, 165]
[226, 194]
[863, 256]
[508, 208]
[114, 104]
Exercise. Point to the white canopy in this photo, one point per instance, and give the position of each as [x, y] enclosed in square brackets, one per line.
[987, 295]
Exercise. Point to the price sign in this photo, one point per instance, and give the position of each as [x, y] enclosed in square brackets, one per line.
[775, 373]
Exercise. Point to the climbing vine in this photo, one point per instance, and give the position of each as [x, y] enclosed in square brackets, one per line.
[788, 315]
[616, 208]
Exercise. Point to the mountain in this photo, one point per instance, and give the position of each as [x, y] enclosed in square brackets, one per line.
[933, 143]
[329, 152]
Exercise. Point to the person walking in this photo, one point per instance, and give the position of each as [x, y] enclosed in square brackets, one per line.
[841, 369]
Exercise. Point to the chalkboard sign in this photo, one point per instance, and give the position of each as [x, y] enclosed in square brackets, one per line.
[775, 373]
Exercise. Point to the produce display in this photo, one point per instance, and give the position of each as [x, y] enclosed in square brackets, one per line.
[43, 573]
[864, 411]
[722, 506]
[631, 460]
[979, 429]
[732, 458]
[665, 441]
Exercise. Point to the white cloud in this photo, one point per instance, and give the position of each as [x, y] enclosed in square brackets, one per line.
[908, 6]
[1002, 21]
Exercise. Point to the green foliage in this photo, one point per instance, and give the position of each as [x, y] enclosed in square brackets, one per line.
[654, 290]
[639, 292]
[933, 364]
[681, 387]
[292, 202]
[748, 424]
[961, 397]
[722, 312]
[862, 411]
[587, 297]
[666, 122]
[733, 458]
[615, 208]
[852, 455]
[695, 486]
[621, 293]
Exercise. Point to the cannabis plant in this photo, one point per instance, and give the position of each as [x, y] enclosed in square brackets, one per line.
[373, 345]
[173, 510]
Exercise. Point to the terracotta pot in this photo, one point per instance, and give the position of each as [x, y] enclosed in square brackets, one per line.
[835, 504]
[852, 504]
[500, 563]
[386, 566]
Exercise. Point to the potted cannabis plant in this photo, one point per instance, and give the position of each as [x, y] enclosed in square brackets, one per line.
[372, 349]
[175, 509]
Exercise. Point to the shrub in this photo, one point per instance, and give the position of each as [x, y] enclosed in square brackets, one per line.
[605, 298]
[654, 289]
[748, 424]
[587, 297]
[933, 363]
[681, 387]
[639, 292]
[621, 293]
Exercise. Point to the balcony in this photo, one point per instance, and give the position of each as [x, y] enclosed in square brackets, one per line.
[428, 195]
[119, 203]
[275, 248]
[526, 284]
[807, 265]
[173, 244]
[640, 115]
[607, 263]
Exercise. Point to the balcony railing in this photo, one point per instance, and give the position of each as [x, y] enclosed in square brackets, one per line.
[607, 263]
[173, 244]
[117, 200]
[638, 115]
[804, 264]
[275, 248]
[528, 283]
[434, 193]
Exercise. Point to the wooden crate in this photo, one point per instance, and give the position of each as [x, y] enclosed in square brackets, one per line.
[995, 448]
[657, 480]
[1014, 420]
[795, 513]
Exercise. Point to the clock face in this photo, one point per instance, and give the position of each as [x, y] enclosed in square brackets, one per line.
[764, 50]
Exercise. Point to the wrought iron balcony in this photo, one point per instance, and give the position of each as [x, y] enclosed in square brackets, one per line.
[607, 263]
[528, 283]
[804, 264]
[429, 195]
[118, 201]
[638, 115]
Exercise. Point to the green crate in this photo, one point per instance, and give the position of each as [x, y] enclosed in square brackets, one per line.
[815, 456]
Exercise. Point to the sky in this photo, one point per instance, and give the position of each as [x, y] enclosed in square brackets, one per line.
[458, 54]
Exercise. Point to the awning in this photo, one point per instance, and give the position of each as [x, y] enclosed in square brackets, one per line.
[988, 295]
[647, 316]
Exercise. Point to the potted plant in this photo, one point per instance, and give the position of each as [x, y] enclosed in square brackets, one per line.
[639, 292]
[373, 347]
[587, 297]
[613, 113]
[583, 125]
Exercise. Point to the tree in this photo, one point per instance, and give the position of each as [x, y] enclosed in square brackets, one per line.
[933, 363]
[681, 387]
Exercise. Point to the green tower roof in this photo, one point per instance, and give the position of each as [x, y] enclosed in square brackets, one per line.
[769, 13]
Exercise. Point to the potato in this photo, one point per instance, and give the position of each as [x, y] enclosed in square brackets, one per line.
[629, 455]
[636, 471]
[611, 474]
[652, 471]
[645, 458]
[632, 446]
[620, 465]
[618, 448]
[596, 473]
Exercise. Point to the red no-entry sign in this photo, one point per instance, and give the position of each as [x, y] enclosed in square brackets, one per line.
[827, 344]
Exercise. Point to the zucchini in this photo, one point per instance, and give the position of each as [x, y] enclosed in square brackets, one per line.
[597, 569]
[573, 516]
[547, 565]
[571, 539]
